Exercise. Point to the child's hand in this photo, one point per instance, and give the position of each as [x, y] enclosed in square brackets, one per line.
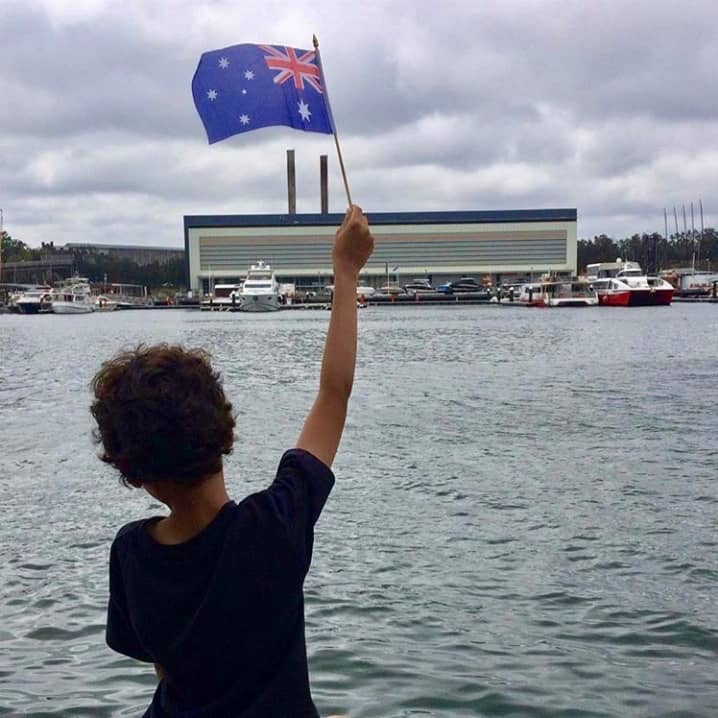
[353, 243]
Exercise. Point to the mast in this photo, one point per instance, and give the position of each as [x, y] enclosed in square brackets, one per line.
[700, 241]
[693, 238]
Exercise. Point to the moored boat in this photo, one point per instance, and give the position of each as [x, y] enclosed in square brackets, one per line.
[74, 297]
[260, 291]
[226, 298]
[419, 286]
[576, 293]
[531, 294]
[624, 284]
[35, 301]
[103, 303]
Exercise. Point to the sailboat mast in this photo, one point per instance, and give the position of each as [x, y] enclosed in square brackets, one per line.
[700, 241]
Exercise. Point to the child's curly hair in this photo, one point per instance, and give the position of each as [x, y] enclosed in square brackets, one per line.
[161, 413]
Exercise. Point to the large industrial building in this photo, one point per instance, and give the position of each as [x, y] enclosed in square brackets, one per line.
[441, 246]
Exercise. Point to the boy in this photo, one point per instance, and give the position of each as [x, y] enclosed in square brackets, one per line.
[212, 594]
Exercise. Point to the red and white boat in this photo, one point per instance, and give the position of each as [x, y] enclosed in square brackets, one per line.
[558, 293]
[624, 284]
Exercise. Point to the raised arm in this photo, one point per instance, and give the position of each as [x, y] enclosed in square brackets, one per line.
[324, 425]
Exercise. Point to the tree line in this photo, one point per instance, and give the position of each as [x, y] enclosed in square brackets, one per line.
[98, 268]
[653, 251]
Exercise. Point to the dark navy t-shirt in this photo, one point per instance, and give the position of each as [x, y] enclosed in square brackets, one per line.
[223, 613]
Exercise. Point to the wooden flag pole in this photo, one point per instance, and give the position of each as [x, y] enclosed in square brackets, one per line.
[336, 138]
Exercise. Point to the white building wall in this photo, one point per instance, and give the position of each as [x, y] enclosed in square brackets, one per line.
[417, 249]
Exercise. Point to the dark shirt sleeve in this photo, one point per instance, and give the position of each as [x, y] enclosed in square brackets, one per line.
[120, 635]
[298, 495]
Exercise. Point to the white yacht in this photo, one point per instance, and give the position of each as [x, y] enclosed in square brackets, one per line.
[73, 297]
[260, 291]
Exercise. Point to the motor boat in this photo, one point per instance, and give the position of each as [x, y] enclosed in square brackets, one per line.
[74, 297]
[103, 303]
[260, 291]
[35, 301]
[465, 285]
[419, 286]
[226, 298]
[625, 284]
[391, 290]
[576, 293]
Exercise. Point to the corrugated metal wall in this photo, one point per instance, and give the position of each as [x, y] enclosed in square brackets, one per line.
[288, 255]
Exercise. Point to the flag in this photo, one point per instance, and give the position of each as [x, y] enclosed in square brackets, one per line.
[244, 87]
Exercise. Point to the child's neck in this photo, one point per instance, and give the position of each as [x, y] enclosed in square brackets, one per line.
[192, 507]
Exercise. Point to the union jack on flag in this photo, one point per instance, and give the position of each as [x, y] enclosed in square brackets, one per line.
[300, 69]
[245, 87]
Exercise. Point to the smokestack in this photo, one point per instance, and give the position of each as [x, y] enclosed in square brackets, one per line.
[291, 183]
[323, 184]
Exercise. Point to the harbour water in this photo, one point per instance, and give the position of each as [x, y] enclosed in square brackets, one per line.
[525, 520]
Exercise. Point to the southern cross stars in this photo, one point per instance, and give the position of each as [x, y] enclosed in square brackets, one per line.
[244, 119]
[212, 95]
[223, 63]
[304, 111]
[248, 74]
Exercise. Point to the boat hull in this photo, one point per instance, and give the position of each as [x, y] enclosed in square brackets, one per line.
[636, 298]
[33, 308]
[259, 303]
[574, 302]
[72, 308]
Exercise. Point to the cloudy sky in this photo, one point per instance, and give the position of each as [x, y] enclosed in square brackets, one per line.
[605, 105]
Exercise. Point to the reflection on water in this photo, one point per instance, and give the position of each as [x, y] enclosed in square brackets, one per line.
[524, 523]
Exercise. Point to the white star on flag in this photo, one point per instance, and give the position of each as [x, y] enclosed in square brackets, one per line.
[304, 112]
[244, 119]
[249, 75]
[223, 63]
[212, 94]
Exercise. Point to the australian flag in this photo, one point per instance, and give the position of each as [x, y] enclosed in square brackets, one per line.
[245, 87]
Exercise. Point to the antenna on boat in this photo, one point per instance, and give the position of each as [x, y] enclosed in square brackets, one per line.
[675, 217]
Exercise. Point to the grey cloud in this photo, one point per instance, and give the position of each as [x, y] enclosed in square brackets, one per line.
[610, 107]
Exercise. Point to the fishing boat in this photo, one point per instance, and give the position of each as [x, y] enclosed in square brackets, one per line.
[260, 291]
[625, 284]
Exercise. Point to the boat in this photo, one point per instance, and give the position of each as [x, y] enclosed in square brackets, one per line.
[260, 291]
[531, 294]
[35, 301]
[575, 293]
[73, 297]
[691, 282]
[624, 284]
[103, 303]
[465, 285]
[226, 298]
[391, 290]
[419, 286]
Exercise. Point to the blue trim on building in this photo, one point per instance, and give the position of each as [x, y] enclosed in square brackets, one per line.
[304, 220]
